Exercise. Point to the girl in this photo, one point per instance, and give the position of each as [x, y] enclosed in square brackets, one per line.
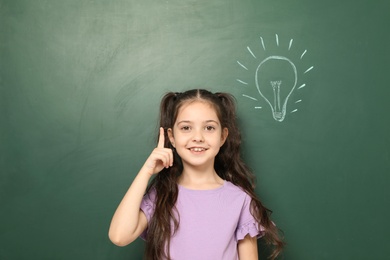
[201, 203]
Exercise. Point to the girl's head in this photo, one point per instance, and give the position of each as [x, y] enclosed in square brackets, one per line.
[222, 104]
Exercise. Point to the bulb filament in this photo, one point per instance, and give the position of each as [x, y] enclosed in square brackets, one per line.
[276, 88]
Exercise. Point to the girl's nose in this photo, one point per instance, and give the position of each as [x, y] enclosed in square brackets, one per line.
[198, 136]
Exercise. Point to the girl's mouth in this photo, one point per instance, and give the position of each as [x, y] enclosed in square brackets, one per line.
[197, 149]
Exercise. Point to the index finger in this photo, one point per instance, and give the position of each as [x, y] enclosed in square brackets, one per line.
[161, 139]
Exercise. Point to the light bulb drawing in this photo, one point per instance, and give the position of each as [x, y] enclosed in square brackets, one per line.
[276, 79]
[270, 86]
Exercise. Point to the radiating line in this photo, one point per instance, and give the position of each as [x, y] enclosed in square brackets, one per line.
[251, 52]
[309, 69]
[289, 46]
[295, 110]
[262, 42]
[298, 101]
[243, 82]
[302, 86]
[249, 97]
[239, 63]
[303, 54]
[258, 107]
[277, 39]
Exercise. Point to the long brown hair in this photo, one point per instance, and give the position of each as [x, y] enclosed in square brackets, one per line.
[228, 165]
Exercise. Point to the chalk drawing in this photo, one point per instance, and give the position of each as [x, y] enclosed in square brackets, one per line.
[277, 103]
[309, 69]
[276, 79]
[262, 42]
[303, 54]
[243, 82]
[239, 63]
[250, 51]
[290, 44]
[249, 97]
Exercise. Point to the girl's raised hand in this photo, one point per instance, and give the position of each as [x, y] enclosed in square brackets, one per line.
[160, 157]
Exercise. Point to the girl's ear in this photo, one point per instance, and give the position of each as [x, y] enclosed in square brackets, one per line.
[171, 138]
[225, 133]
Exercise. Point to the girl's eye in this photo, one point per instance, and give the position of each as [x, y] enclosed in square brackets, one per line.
[210, 128]
[185, 128]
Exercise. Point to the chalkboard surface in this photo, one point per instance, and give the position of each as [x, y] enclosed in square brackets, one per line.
[80, 84]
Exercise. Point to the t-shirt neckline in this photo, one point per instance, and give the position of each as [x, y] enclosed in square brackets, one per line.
[203, 191]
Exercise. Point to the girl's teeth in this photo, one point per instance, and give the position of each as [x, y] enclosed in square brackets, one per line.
[197, 149]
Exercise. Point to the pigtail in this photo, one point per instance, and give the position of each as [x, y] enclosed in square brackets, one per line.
[232, 168]
[164, 184]
[167, 108]
[228, 102]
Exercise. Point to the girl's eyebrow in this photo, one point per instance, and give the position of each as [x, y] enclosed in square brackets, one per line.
[183, 122]
[212, 121]
[207, 121]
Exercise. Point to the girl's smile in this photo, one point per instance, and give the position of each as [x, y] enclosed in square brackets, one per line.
[197, 149]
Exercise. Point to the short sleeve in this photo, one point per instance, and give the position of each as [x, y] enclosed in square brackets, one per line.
[147, 204]
[247, 224]
[148, 207]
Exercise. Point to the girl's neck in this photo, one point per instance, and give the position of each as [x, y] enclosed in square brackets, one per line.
[200, 179]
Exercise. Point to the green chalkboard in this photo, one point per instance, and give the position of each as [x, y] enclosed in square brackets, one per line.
[80, 85]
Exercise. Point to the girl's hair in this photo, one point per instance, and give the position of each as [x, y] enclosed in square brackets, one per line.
[228, 165]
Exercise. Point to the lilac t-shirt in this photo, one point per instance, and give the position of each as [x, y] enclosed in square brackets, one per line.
[211, 222]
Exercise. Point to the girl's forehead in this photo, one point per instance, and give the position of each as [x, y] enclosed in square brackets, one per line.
[198, 108]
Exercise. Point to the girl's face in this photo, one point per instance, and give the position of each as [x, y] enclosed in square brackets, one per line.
[197, 134]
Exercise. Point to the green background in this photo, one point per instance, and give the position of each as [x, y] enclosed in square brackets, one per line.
[80, 85]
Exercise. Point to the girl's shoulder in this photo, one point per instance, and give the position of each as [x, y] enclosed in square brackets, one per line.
[234, 189]
[150, 195]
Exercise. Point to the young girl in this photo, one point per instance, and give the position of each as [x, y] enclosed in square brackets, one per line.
[201, 204]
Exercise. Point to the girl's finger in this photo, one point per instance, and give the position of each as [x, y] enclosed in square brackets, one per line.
[165, 156]
[161, 138]
[170, 157]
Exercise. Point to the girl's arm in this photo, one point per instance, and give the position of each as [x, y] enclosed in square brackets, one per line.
[247, 248]
[129, 221]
